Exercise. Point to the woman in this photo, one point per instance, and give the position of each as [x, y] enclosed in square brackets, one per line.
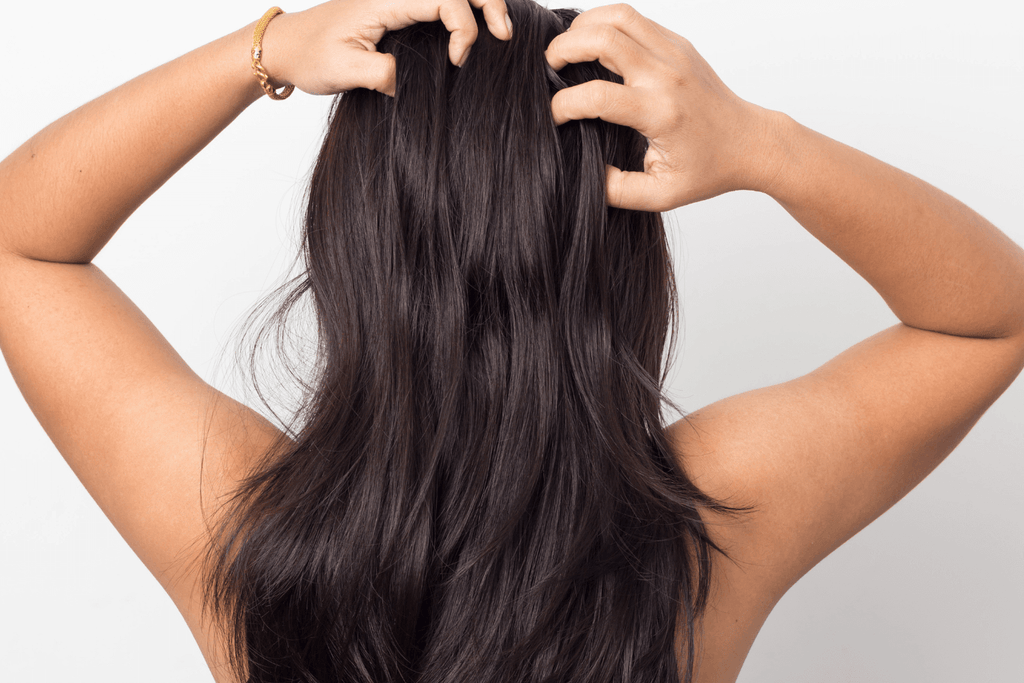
[817, 458]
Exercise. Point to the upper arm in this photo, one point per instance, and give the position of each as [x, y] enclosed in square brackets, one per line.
[822, 456]
[138, 427]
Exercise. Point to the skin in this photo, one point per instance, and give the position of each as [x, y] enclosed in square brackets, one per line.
[821, 456]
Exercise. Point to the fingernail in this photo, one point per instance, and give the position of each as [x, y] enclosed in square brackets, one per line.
[508, 23]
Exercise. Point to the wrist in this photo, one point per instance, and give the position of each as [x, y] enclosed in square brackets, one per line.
[243, 42]
[274, 49]
[775, 132]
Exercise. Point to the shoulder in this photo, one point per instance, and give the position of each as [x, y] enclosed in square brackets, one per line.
[823, 455]
[238, 440]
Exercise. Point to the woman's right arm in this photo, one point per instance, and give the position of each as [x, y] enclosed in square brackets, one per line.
[825, 454]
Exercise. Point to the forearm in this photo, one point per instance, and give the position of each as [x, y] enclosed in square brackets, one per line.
[66, 191]
[938, 264]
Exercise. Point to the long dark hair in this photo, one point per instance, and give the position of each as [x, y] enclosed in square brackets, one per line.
[477, 484]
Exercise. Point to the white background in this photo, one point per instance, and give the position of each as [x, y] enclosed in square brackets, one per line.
[931, 592]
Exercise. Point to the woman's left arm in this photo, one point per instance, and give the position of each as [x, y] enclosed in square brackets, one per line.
[100, 162]
[121, 406]
[66, 191]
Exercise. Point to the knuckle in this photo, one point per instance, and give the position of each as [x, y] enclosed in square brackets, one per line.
[464, 38]
[623, 12]
[671, 76]
[599, 97]
[607, 35]
[459, 9]
[684, 51]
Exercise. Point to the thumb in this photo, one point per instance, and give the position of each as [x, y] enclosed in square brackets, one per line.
[376, 71]
[634, 190]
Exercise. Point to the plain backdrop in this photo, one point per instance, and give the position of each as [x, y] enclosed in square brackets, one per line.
[932, 591]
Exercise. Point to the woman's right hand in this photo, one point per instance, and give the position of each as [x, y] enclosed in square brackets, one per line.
[704, 140]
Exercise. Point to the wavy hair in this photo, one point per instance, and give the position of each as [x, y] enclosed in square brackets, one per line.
[477, 484]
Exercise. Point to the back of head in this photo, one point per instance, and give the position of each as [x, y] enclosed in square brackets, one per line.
[479, 486]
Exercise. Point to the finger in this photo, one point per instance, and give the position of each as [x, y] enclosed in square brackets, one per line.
[456, 15]
[623, 17]
[377, 70]
[603, 100]
[634, 190]
[614, 49]
[458, 18]
[496, 16]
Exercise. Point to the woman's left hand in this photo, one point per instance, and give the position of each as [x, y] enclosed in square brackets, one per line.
[332, 47]
[704, 139]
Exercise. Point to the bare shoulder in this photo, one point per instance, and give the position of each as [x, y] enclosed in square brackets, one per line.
[821, 456]
[155, 445]
[236, 439]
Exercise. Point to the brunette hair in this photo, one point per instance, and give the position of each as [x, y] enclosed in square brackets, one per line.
[477, 485]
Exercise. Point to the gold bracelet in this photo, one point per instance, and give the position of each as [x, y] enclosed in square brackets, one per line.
[257, 53]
